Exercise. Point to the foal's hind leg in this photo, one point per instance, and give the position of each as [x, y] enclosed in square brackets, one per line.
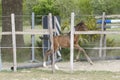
[48, 52]
[81, 49]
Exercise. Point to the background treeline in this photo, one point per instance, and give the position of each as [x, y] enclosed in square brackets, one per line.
[65, 7]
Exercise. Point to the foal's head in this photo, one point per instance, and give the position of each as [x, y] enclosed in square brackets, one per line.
[81, 27]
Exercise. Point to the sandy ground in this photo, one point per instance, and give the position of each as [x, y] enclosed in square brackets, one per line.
[107, 65]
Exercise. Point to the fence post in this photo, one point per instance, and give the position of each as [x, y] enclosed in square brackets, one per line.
[0, 59]
[72, 42]
[33, 38]
[102, 36]
[51, 40]
[14, 42]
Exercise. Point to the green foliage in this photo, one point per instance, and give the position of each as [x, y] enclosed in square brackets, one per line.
[110, 42]
[108, 6]
[39, 44]
[44, 7]
[91, 23]
[0, 8]
[65, 26]
[65, 7]
[28, 5]
[65, 54]
[85, 7]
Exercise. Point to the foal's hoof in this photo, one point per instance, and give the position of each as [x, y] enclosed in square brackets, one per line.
[91, 63]
[44, 64]
[56, 67]
[76, 60]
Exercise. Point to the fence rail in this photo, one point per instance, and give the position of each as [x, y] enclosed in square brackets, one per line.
[97, 32]
[103, 48]
[30, 31]
[108, 16]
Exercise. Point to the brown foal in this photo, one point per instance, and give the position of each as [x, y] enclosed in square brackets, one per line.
[63, 41]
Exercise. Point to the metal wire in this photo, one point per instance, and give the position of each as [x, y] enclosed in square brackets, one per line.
[24, 47]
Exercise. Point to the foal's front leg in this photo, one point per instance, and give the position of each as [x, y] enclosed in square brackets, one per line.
[55, 66]
[88, 58]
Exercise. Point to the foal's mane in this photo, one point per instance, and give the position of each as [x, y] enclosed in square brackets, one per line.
[79, 25]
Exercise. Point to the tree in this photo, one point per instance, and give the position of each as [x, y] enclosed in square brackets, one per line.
[8, 7]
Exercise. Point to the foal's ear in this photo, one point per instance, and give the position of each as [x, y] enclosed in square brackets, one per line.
[82, 23]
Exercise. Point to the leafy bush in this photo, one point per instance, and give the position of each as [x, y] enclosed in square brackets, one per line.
[39, 44]
[43, 8]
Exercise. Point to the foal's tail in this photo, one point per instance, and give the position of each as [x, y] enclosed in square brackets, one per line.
[44, 38]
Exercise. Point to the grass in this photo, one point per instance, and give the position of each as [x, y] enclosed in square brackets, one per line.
[39, 74]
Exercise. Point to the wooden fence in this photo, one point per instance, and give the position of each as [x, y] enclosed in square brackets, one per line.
[50, 31]
[30, 32]
[102, 32]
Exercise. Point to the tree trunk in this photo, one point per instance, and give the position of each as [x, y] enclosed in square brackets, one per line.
[8, 7]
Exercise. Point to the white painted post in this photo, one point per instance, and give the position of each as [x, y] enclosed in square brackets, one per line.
[14, 42]
[72, 41]
[51, 40]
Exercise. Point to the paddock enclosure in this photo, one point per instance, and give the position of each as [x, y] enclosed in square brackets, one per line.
[31, 54]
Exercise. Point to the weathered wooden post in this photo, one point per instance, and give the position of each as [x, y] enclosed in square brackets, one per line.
[0, 59]
[51, 40]
[102, 38]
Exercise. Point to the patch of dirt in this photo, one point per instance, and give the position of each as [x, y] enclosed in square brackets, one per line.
[107, 65]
